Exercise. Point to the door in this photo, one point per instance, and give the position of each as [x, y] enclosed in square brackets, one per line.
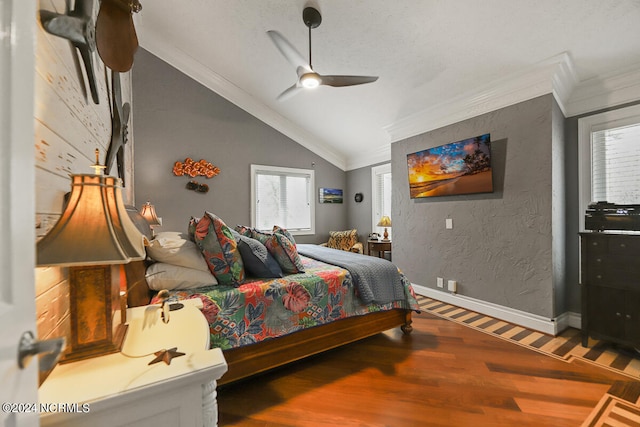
[17, 210]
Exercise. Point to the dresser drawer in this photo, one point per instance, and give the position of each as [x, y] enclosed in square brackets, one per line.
[613, 273]
[625, 245]
[595, 245]
[618, 271]
[613, 263]
[612, 244]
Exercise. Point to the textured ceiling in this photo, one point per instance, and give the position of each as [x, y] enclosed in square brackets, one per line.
[428, 54]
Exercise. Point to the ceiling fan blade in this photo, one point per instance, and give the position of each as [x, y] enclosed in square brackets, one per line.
[289, 92]
[116, 37]
[288, 51]
[339, 81]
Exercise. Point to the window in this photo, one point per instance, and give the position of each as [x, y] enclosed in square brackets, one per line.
[609, 152]
[381, 200]
[284, 197]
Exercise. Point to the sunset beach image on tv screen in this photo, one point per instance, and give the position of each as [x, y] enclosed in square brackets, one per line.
[462, 167]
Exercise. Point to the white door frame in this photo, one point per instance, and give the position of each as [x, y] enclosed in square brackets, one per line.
[17, 207]
[375, 214]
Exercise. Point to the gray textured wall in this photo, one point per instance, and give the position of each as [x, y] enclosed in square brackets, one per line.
[558, 209]
[175, 117]
[501, 249]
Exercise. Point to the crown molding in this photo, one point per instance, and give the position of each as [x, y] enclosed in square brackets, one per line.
[379, 155]
[188, 65]
[555, 75]
[605, 92]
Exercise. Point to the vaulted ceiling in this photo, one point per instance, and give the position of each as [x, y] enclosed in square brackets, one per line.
[438, 61]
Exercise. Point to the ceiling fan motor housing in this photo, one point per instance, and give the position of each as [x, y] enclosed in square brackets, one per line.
[311, 17]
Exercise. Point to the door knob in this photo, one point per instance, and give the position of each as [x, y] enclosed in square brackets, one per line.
[29, 347]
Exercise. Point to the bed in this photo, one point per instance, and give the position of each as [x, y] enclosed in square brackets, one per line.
[266, 322]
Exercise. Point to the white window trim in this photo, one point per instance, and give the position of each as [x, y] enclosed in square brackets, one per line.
[587, 125]
[375, 171]
[311, 172]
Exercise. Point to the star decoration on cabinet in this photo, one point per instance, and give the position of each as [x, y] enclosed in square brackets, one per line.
[165, 355]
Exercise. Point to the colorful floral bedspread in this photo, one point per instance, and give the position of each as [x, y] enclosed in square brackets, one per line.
[261, 309]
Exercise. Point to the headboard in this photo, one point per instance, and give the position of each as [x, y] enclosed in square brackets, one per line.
[138, 292]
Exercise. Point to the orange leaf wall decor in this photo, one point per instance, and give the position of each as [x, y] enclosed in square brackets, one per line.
[193, 169]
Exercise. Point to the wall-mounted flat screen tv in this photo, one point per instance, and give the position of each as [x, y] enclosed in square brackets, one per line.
[462, 167]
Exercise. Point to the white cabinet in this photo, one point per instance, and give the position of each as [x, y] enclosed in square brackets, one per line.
[123, 389]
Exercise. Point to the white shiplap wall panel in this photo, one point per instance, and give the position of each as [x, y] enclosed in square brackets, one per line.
[50, 191]
[69, 126]
[57, 85]
[64, 123]
[55, 155]
[58, 58]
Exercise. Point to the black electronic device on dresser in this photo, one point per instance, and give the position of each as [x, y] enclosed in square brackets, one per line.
[610, 271]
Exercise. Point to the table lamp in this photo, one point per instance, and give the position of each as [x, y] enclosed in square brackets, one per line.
[148, 212]
[93, 237]
[385, 222]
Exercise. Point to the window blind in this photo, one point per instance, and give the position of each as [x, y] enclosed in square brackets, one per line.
[615, 165]
[284, 199]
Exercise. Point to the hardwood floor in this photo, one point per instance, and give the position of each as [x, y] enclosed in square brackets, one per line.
[443, 374]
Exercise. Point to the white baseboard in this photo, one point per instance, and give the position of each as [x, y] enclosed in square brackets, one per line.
[511, 315]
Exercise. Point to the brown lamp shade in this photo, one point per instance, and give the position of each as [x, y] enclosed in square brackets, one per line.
[92, 236]
[94, 228]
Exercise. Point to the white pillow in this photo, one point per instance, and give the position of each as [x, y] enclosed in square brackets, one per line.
[172, 247]
[167, 276]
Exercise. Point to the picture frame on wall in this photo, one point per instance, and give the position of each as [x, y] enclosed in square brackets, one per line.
[462, 167]
[330, 195]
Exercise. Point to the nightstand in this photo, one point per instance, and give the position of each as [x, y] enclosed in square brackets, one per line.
[379, 246]
[123, 389]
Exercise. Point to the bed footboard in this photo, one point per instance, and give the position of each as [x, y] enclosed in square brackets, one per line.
[246, 361]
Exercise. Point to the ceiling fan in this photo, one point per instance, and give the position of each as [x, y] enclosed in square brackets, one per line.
[307, 77]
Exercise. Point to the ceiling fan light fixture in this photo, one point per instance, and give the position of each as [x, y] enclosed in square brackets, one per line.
[310, 80]
[307, 78]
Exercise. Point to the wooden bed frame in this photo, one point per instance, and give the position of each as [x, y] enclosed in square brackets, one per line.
[244, 362]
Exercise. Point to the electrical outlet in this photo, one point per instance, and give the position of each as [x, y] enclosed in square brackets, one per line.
[440, 282]
[448, 223]
[452, 285]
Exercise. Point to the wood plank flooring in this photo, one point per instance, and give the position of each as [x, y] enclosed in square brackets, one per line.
[443, 374]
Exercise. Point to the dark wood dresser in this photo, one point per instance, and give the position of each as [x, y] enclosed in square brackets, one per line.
[610, 275]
